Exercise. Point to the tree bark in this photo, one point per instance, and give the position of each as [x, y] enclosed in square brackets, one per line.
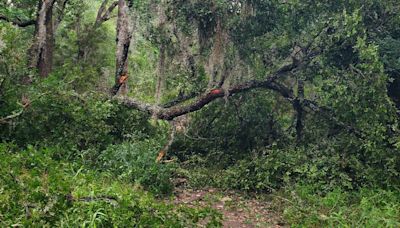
[124, 36]
[216, 59]
[298, 107]
[41, 52]
[160, 83]
[205, 98]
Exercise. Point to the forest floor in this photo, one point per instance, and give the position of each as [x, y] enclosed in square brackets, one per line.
[238, 210]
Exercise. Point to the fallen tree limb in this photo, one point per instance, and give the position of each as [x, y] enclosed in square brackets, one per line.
[203, 99]
[173, 109]
[110, 199]
[6, 119]
[25, 104]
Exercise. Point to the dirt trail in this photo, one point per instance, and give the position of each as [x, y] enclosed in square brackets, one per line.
[237, 210]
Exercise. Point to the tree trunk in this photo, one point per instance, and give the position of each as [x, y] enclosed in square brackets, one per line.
[41, 52]
[216, 59]
[160, 83]
[297, 104]
[124, 36]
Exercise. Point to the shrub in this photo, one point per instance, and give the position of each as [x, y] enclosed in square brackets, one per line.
[343, 163]
[136, 162]
[58, 115]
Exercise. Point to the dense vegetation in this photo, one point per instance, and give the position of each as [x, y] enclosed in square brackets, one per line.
[104, 104]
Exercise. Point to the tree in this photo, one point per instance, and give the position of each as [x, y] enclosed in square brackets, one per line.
[42, 48]
[124, 36]
[41, 52]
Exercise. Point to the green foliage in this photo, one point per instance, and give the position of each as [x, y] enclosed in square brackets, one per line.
[350, 143]
[13, 44]
[58, 115]
[39, 191]
[338, 208]
[233, 128]
[340, 163]
[83, 44]
[20, 9]
[135, 161]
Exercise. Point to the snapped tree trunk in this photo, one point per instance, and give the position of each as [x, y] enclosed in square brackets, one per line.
[124, 36]
[41, 52]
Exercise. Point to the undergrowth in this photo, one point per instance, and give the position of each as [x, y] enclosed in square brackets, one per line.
[302, 206]
[37, 190]
[302, 203]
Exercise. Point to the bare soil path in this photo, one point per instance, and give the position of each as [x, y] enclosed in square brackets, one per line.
[237, 210]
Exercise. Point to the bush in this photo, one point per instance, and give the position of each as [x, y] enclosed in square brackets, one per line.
[343, 163]
[74, 121]
[136, 162]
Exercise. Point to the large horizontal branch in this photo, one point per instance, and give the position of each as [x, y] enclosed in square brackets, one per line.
[173, 109]
[284, 70]
[204, 99]
[18, 22]
[279, 73]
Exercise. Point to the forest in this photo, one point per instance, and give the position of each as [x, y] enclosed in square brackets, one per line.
[199, 113]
